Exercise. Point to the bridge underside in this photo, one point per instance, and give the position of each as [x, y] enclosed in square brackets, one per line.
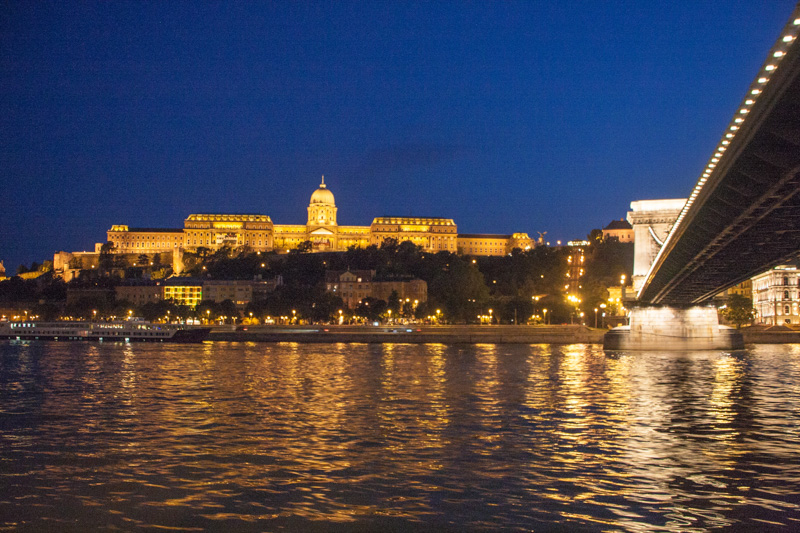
[747, 217]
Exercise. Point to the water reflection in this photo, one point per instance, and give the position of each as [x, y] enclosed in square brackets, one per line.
[270, 436]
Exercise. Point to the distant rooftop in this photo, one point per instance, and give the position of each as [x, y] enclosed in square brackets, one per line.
[156, 230]
[434, 221]
[237, 217]
[482, 236]
[619, 224]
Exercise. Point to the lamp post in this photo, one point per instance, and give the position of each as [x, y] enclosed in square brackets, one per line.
[544, 312]
[491, 317]
[595, 318]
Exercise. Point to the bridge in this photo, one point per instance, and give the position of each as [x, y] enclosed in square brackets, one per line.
[741, 218]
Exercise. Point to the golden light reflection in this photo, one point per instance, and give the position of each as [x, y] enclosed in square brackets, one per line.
[347, 432]
[727, 377]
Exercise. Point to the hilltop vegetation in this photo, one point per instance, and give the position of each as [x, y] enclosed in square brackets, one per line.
[516, 286]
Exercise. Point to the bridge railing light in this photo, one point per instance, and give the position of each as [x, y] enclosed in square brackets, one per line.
[774, 56]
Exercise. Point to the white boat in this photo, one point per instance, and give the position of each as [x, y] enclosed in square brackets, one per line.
[117, 331]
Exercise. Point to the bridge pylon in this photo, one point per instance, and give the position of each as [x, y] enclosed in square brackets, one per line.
[665, 328]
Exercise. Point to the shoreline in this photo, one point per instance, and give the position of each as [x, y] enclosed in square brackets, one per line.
[451, 334]
[413, 334]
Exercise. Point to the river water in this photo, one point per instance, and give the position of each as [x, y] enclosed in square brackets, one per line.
[357, 437]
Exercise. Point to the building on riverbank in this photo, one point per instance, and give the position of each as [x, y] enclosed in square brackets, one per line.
[775, 296]
[354, 286]
[257, 232]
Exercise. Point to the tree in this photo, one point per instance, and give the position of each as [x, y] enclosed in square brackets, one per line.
[229, 310]
[303, 248]
[739, 310]
[595, 236]
[394, 302]
[107, 257]
[460, 288]
[371, 308]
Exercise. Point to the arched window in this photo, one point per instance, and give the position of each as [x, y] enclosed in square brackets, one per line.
[786, 310]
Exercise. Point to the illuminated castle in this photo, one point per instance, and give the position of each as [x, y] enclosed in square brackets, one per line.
[259, 233]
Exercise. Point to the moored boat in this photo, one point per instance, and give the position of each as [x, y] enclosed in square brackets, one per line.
[117, 331]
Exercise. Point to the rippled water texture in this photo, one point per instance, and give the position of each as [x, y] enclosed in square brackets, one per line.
[345, 437]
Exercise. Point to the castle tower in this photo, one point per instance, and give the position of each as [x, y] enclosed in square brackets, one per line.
[321, 226]
[322, 208]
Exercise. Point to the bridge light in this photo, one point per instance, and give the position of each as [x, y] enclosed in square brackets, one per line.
[770, 68]
[788, 38]
[755, 91]
[763, 80]
[744, 111]
[714, 159]
[739, 120]
[779, 53]
[796, 22]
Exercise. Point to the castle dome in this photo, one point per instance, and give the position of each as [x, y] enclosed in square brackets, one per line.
[322, 195]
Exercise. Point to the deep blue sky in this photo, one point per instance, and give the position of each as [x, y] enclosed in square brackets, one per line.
[514, 116]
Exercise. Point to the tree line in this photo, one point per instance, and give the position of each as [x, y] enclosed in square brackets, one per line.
[516, 286]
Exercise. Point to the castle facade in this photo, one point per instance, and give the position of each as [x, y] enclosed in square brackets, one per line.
[259, 233]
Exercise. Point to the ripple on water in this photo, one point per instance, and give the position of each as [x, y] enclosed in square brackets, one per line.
[320, 437]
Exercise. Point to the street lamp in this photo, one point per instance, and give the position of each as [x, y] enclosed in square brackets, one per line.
[491, 318]
[544, 312]
[595, 318]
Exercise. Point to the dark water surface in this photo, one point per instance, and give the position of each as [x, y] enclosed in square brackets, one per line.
[354, 437]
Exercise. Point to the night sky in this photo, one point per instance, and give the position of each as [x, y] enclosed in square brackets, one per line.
[514, 116]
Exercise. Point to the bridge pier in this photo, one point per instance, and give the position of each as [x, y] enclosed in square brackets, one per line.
[672, 328]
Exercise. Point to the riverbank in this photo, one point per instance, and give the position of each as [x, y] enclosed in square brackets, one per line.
[415, 334]
[420, 334]
[770, 335]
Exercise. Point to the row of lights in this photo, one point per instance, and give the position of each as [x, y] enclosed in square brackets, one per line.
[756, 88]
[778, 52]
